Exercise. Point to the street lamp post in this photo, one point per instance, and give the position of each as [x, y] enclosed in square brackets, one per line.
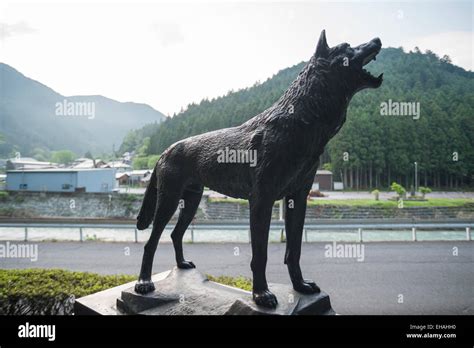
[416, 177]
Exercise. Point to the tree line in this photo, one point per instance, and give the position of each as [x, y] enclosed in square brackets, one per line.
[373, 148]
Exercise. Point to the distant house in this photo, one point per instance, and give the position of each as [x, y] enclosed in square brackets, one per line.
[145, 180]
[323, 180]
[127, 157]
[134, 177]
[27, 163]
[119, 166]
[122, 178]
[87, 163]
[61, 180]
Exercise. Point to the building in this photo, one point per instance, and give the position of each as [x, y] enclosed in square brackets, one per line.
[87, 163]
[323, 180]
[122, 178]
[61, 180]
[145, 180]
[127, 157]
[27, 163]
[119, 166]
[134, 177]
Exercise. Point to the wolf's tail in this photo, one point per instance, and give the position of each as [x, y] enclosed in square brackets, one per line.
[147, 211]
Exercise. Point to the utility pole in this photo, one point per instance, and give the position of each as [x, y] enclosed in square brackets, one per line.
[416, 177]
[281, 211]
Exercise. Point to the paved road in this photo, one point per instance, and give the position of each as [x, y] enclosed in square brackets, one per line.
[427, 274]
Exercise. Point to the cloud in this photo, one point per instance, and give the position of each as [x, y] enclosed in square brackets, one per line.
[168, 33]
[456, 44]
[16, 29]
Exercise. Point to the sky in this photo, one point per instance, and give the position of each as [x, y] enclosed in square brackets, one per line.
[170, 54]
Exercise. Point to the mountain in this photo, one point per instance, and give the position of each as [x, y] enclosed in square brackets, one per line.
[371, 150]
[33, 116]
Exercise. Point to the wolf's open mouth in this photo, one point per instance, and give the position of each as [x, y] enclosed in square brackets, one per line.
[374, 49]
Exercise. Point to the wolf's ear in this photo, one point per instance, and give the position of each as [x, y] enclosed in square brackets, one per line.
[322, 50]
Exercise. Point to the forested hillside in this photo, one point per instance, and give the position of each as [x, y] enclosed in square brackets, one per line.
[371, 150]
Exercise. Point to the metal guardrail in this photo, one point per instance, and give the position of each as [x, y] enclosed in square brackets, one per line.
[276, 225]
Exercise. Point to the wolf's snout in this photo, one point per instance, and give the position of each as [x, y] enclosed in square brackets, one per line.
[377, 42]
[369, 51]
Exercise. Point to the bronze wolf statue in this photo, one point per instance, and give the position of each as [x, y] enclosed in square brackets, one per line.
[287, 138]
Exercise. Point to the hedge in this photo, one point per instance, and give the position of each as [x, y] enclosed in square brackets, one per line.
[53, 291]
[50, 291]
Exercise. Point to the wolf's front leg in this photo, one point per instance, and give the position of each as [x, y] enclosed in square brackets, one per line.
[294, 224]
[260, 216]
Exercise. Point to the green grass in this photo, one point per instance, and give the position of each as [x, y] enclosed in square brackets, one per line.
[228, 200]
[237, 282]
[234, 201]
[431, 202]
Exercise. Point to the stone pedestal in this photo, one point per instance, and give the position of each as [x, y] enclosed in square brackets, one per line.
[188, 292]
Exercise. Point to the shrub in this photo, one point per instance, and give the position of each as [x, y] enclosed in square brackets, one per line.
[49, 291]
[376, 193]
[328, 166]
[3, 195]
[53, 291]
[424, 190]
[399, 189]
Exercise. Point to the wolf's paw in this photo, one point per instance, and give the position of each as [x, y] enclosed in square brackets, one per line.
[306, 287]
[144, 286]
[186, 264]
[265, 299]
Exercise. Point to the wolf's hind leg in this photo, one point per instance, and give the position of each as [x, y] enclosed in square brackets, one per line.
[191, 197]
[168, 199]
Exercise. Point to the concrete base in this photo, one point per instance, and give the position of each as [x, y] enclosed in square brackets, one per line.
[188, 292]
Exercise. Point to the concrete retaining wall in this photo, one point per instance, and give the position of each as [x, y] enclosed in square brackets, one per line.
[126, 206]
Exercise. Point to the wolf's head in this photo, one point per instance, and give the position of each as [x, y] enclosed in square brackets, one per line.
[347, 63]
